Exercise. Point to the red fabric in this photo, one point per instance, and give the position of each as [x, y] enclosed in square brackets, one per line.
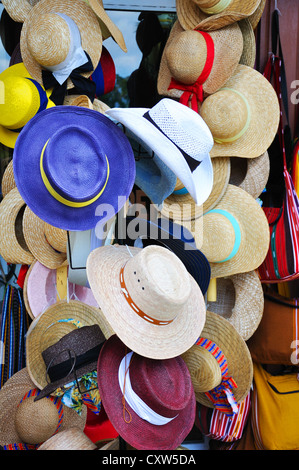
[195, 90]
[98, 427]
[22, 274]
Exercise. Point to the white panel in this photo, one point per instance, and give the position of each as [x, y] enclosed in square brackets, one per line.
[141, 5]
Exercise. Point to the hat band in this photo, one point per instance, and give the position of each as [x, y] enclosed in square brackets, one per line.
[218, 8]
[57, 402]
[221, 396]
[134, 306]
[180, 192]
[237, 230]
[134, 401]
[242, 131]
[60, 198]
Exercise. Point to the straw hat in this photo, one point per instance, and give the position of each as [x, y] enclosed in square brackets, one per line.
[240, 300]
[40, 290]
[249, 44]
[57, 23]
[24, 421]
[181, 206]
[209, 15]
[250, 174]
[257, 15]
[186, 56]
[24, 98]
[84, 102]
[70, 439]
[235, 234]
[178, 137]
[155, 407]
[44, 241]
[18, 9]
[243, 116]
[67, 191]
[148, 297]
[8, 179]
[50, 326]
[13, 247]
[206, 371]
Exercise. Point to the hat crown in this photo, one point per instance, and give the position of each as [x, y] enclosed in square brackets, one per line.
[75, 164]
[158, 282]
[218, 237]
[165, 385]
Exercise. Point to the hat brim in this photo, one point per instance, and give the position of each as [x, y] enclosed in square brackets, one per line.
[138, 433]
[11, 394]
[157, 342]
[27, 167]
[199, 182]
[254, 177]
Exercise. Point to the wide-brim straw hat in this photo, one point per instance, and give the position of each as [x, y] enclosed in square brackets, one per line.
[70, 439]
[209, 15]
[257, 15]
[243, 116]
[185, 55]
[50, 326]
[24, 98]
[204, 368]
[153, 320]
[249, 44]
[164, 386]
[18, 9]
[8, 179]
[174, 133]
[250, 174]
[11, 394]
[84, 102]
[36, 25]
[240, 300]
[48, 244]
[180, 205]
[106, 166]
[235, 234]
[13, 247]
[40, 290]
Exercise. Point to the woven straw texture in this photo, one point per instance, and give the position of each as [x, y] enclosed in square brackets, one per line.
[79, 12]
[35, 236]
[249, 45]
[84, 101]
[225, 113]
[224, 335]
[192, 17]
[47, 329]
[147, 339]
[240, 300]
[250, 174]
[10, 395]
[8, 180]
[70, 439]
[186, 52]
[18, 10]
[256, 16]
[13, 247]
[174, 206]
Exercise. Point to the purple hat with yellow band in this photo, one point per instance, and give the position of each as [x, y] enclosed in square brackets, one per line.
[21, 98]
[68, 161]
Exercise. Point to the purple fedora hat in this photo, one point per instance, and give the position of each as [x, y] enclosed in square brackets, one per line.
[69, 162]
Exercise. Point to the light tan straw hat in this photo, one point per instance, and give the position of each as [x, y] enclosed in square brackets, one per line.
[50, 326]
[249, 45]
[194, 62]
[243, 116]
[13, 247]
[209, 15]
[204, 368]
[256, 16]
[181, 206]
[84, 101]
[70, 439]
[150, 300]
[250, 174]
[25, 422]
[49, 30]
[235, 234]
[48, 244]
[18, 9]
[8, 179]
[240, 300]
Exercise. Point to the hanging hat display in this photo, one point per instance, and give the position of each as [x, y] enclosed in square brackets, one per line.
[250, 174]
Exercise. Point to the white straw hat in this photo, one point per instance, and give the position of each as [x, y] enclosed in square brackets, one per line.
[150, 300]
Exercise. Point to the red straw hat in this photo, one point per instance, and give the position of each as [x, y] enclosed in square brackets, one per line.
[160, 391]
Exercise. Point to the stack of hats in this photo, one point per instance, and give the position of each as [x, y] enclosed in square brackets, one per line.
[157, 329]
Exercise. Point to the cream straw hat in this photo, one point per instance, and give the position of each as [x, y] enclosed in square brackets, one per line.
[249, 44]
[240, 300]
[44, 26]
[84, 101]
[209, 15]
[243, 116]
[150, 300]
[70, 439]
[13, 247]
[250, 174]
[8, 179]
[18, 9]
[187, 54]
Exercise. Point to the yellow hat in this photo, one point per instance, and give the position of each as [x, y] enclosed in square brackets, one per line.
[21, 98]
